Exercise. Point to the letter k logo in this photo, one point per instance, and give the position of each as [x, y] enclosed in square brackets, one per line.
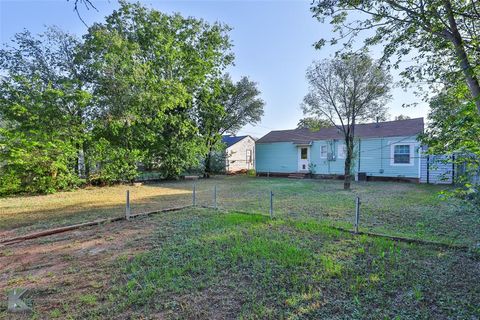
[15, 304]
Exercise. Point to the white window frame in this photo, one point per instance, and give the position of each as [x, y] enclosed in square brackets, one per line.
[412, 153]
[323, 156]
[342, 151]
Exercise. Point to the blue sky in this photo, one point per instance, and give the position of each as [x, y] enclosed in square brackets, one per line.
[273, 45]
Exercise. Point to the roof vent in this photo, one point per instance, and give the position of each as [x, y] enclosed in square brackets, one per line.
[377, 124]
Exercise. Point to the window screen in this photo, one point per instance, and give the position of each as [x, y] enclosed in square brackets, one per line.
[323, 151]
[401, 153]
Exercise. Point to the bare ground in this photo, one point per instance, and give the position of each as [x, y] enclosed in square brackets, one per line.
[61, 270]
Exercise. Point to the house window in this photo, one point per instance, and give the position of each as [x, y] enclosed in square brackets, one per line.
[304, 154]
[342, 151]
[323, 151]
[402, 154]
[249, 156]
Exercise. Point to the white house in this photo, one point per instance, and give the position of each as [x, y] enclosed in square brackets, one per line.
[240, 153]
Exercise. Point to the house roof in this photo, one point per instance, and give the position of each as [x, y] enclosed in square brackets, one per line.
[409, 127]
[231, 140]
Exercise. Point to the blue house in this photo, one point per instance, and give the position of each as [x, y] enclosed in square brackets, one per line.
[383, 150]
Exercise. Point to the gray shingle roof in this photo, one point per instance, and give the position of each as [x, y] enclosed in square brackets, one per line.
[409, 127]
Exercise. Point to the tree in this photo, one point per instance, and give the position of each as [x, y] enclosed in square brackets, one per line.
[87, 4]
[225, 107]
[145, 68]
[441, 36]
[313, 123]
[124, 96]
[43, 109]
[402, 117]
[454, 130]
[347, 90]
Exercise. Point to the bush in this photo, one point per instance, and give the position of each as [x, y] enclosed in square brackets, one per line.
[9, 182]
[37, 167]
[113, 164]
[251, 173]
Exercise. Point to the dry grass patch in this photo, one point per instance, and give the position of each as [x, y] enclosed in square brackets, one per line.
[83, 204]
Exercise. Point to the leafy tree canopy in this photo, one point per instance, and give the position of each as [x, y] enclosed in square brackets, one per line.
[130, 93]
[313, 123]
[454, 130]
[440, 37]
[43, 110]
[402, 117]
[145, 68]
[347, 90]
[225, 107]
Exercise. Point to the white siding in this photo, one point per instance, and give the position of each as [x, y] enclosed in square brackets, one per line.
[237, 155]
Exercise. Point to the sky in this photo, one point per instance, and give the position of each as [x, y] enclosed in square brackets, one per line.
[273, 45]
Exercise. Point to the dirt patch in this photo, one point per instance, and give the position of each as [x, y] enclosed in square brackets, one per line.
[72, 269]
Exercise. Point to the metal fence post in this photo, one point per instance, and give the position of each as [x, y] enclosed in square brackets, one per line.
[271, 204]
[357, 213]
[194, 200]
[215, 196]
[127, 206]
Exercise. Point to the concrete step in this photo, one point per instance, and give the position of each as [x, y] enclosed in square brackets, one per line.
[296, 175]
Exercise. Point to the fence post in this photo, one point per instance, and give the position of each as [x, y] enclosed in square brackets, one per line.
[194, 200]
[271, 204]
[127, 206]
[357, 213]
[215, 196]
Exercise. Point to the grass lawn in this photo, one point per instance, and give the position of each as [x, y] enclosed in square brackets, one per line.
[401, 209]
[207, 264]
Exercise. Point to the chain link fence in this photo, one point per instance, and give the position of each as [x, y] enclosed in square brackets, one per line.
[398, 210]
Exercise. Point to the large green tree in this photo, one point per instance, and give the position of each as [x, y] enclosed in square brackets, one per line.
[225, 107]
[43, 110]
[440, 37]
[347, 90]
[145, 68]
[454, 130]
[313, 123]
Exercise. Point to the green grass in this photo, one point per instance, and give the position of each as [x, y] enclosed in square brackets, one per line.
[401, 209]
[201, 263]
[207, 264]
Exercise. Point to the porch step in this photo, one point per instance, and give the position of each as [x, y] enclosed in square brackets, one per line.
[296, 175]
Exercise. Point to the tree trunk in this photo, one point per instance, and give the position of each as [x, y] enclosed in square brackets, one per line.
[206, 173]
[465, 65]
[208, 162]
[347, 180]
[348, 163]
[85, 160]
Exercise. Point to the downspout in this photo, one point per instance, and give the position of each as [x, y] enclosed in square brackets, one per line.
[381, 155]
[359, 153]
[331, 151]
[334, 149]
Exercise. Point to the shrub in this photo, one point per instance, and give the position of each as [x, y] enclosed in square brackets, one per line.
[9, 182]
[37, 166]
[113, 164]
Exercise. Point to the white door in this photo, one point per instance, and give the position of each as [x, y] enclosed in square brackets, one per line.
[303, 158]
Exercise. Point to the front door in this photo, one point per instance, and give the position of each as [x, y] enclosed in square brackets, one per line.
[303, 158]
